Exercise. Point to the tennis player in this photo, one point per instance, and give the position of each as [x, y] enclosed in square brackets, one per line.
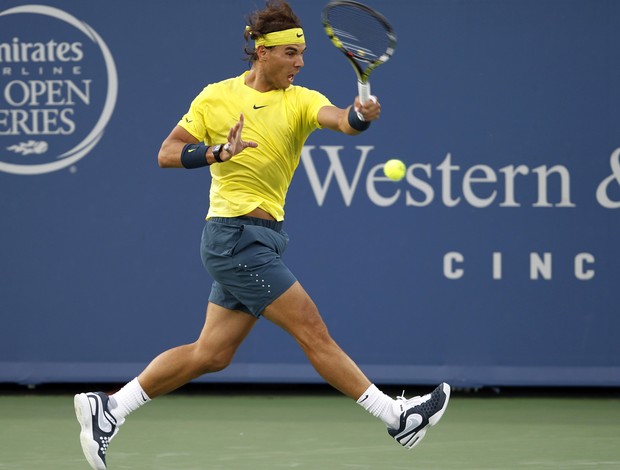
[250, 130]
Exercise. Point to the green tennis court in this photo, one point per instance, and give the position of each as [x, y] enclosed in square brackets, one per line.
[317, 431]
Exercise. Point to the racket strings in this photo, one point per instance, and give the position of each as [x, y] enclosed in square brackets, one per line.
[360, 34]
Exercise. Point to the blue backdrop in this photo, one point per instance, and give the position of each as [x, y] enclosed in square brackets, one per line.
[495, 262]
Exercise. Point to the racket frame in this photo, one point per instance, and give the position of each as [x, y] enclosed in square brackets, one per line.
[363, 84]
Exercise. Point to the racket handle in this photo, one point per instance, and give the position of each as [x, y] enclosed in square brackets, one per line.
[363, 91]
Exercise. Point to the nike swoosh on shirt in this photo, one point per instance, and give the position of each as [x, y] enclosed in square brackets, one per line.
[259, 107]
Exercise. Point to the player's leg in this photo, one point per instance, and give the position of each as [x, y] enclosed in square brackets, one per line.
[101, 415]
[407, 420]
[295, 312]
[224, 330]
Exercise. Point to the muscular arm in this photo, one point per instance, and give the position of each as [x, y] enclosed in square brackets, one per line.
[169, 155]
[337, 119]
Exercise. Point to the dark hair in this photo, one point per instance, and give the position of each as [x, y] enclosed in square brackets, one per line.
[276, 16]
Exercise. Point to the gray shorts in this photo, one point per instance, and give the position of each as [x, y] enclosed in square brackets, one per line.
[244, 257]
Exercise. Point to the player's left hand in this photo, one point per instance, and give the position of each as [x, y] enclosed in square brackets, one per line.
[235, 143]
[371, 110]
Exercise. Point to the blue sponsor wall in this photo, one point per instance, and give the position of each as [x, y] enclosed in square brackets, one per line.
[496, 261]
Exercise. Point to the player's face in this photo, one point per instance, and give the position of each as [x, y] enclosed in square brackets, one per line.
[283, 63]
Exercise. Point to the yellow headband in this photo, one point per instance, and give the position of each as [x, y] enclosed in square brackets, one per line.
[278, 38]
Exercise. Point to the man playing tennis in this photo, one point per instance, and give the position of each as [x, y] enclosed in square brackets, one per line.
[250, 130]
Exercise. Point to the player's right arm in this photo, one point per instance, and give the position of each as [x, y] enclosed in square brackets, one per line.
[337, 119]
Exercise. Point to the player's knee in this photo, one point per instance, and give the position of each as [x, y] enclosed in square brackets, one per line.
[211, 361]
[214, 364]
[314, 333]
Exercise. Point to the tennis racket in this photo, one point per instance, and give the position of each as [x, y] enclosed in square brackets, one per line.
[364, 36]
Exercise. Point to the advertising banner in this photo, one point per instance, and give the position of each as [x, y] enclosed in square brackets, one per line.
[494, 261]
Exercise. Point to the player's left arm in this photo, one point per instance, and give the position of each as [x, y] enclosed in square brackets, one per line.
[169, 155]
[344, 120]
[173, 148]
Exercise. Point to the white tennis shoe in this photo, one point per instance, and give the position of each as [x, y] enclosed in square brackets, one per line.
[418, 414]
[98, 426]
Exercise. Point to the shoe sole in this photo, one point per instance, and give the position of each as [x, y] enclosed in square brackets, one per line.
[89, 447]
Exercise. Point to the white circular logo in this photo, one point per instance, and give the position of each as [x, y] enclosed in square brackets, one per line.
[58, 89]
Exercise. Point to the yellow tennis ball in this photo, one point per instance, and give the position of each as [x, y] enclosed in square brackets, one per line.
[394, 169]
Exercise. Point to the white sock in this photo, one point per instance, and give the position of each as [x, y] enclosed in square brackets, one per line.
[128, 399]
[380, 405]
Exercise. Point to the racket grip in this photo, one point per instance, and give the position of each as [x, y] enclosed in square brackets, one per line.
[363, 91]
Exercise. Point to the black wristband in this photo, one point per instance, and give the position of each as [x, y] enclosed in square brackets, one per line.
[194, 155]
[355, 122]
[217, 150]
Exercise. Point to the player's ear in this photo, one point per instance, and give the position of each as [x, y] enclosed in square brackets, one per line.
[261, 52]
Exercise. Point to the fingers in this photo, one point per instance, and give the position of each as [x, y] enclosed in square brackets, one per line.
[238, 128]
[371, 110]
[234, 137]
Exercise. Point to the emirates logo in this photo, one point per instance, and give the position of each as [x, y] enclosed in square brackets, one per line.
[58, 89]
